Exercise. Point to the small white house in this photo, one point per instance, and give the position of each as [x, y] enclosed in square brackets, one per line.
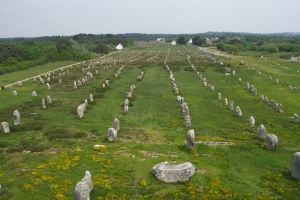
[119, 46]
[173, 43]
[160, 39]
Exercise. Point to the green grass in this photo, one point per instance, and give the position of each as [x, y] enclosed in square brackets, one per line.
[152, 132]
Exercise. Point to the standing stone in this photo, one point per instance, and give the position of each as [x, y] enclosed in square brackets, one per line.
[49, 100]
[187, 120]
[261, 132]
[129, 94]
[126, 102]
[20, 84]
[116, 124]
[219, 96]
[75, 85]
[112, 134]
[14, 93]
[271, 141]
[91, 98]
[84, 187]
[173, 173]
[251, 123]
[126, 109]
[43, 103]
[185, 109]
[295, 118]
[295, 167]
[231, 105]
[17, 117]
[190, 138]
[48, 86]
[238, 111]
[33, 93]
[5, 127]
[225, 101]
[86, 102]
[80, 110]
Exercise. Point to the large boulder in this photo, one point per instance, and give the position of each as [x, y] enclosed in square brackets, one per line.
[295, 168]
[112, 134]
[168, 173]
[84, 187]
[271, 141]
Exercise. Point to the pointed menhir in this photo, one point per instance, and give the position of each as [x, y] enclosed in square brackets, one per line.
[238, 111]
[84, 187]
[43, 104]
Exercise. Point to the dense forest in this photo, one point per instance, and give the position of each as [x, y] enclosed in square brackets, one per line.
[23, 53]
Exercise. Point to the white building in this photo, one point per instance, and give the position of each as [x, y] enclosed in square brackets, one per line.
[173, 43]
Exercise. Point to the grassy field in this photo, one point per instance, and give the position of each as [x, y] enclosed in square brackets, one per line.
[61, 144]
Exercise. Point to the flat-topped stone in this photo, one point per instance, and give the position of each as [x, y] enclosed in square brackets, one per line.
[168, 173]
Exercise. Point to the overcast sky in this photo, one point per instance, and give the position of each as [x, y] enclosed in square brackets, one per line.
[25, 18]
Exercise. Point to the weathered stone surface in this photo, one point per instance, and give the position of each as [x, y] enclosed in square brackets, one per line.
[295, 167]
[17, 117]
[80, 110]
[48, 86]
[34, 94]
[116, 124]
[251, 123]
[5, 127]
[187, 120]
[225, 101]
[271, 141]
[126, 102]
[112, 134]
[231, 105]
[84, 187]
[190, 138]
[261, 132]
[126, 109]
[173, 173]
[14, 93]
[238, 111]
[99, 147]
[43, 104]
[185, 109]
[49, 100]
[219, 96]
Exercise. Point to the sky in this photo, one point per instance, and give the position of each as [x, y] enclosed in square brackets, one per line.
[31, 18]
